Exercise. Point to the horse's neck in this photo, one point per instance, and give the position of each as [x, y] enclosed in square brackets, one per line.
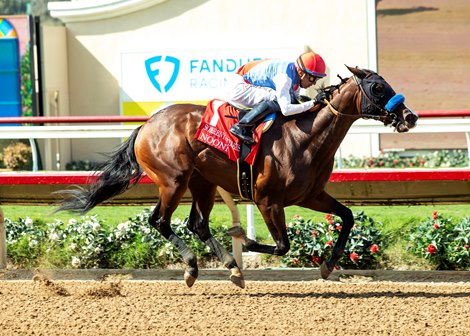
[328, 130]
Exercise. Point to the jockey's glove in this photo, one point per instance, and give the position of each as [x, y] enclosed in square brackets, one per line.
[320, 97]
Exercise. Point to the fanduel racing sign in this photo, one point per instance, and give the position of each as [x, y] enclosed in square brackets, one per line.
[186, 76]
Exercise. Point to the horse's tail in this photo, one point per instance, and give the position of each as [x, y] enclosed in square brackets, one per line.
[114, 176]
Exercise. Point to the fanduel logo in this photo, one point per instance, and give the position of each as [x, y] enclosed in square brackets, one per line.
[159, 69]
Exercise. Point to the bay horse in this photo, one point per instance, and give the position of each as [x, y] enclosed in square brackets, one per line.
[293, 165]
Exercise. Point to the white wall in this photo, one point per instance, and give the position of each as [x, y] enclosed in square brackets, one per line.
[337, 29]
[56, 93]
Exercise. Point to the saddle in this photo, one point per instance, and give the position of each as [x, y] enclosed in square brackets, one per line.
[216, 121]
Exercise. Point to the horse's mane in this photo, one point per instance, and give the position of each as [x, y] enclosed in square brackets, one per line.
[334, 87]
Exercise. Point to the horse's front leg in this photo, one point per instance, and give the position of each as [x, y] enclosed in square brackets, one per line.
[326, 203]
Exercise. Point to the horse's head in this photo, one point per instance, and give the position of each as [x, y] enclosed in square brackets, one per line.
[380, 102]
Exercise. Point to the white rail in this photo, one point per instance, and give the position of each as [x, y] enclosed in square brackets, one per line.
[428, 125]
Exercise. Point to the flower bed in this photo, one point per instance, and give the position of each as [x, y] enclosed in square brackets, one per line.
[89, 242]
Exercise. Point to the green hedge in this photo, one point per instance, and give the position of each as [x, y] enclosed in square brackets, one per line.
[89, 242]
[437, 159]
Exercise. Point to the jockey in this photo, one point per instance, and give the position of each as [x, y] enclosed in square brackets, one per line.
[273, 85]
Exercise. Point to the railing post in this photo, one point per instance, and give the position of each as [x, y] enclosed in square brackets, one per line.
[3, 242]
[468, 147]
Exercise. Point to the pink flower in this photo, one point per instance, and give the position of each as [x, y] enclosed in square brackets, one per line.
[432, 249]
[466, 246]
[314, 234]
[374, 248]
[354, 257]
[295, 260]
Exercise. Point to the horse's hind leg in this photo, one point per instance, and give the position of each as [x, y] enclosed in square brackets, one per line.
[203, 193]
[161, 220]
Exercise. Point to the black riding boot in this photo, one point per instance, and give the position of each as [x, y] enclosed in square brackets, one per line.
[244, 129]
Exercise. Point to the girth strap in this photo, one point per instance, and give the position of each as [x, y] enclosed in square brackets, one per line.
[245, 173]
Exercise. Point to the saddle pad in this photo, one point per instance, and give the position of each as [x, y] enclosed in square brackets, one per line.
[214, 130]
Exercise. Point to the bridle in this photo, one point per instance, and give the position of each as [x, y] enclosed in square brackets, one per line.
[387, 116]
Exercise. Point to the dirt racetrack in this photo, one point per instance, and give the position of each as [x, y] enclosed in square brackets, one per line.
[352, 306]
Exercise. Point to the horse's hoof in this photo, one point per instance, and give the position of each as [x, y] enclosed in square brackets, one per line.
[189, 279]
[237, 277]
[324, 271]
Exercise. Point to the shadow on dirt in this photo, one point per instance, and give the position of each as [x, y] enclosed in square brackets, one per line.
[404, 11]
[342, 295]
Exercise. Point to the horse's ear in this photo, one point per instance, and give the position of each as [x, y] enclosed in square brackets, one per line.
[358, 72]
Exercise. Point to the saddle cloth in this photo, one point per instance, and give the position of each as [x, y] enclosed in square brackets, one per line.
[214, 130]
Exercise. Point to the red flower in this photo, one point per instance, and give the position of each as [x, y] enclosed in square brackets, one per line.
[434, 215]
[354, 257]
[329, 242]
[432, 249]
[338, 227]
[466, 246]
[314, 234]
[329, 218]
[436, 226]
[374, 248]
[295, 260]
[317, 259]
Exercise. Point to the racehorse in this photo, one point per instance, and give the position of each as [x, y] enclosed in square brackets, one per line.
[293, 165]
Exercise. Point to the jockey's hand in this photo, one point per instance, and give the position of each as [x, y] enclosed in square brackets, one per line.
[321, 96]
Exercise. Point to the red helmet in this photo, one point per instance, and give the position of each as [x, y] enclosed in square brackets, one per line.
[312, 63]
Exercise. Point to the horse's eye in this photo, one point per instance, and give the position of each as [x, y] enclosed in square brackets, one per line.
[377, 89]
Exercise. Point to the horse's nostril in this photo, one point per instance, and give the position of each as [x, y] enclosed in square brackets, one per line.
[410, 117]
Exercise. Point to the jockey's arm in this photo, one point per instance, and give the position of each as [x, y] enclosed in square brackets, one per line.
[283, 84]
